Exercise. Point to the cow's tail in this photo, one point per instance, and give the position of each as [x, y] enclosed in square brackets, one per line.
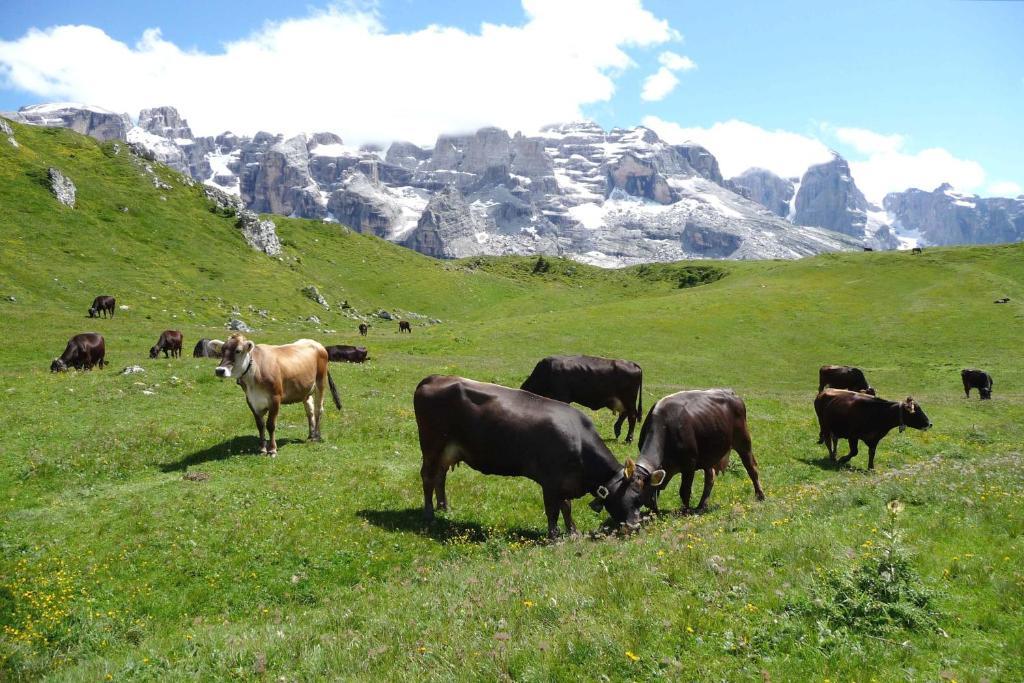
[640, 397]
[334, 391]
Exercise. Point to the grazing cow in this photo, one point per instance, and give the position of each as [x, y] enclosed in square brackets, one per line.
[346, 354]
[513, 433]
[102, 305]
[592, 382]
[976, 379]
[1004, 300]
[363, 329]
[276, 375]
[169, 342]
[843, 377]
[82, 352]
[855, 416]
[205, 348]
[404, 326]
[689, 431]
[868, 249]
[917, 250]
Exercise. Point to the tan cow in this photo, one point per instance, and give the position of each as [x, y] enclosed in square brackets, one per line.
[272, 375]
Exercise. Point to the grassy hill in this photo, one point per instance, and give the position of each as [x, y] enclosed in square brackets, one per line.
[316, 564]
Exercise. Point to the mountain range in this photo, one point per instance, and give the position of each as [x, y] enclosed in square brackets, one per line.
[610, 198]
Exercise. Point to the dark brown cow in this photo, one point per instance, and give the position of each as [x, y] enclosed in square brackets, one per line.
[344, 353]
[917, 250]
[843, 377]
[82, 352]
[977, 379]
[689, 431]
[205, 348]
[102, 305]
[513, 433]
[169, 342]
[404, 326]
[363, 329]
[592, 382]
[855, 416]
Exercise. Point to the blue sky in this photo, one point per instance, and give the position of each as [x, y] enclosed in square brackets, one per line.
[905, 90]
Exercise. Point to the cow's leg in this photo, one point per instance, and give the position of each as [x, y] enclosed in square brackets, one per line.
[746, 453]
[618, 423]
[552, 506]
[685, 488]
[275, 408]
[442, 496]
[261, 427]
[310, 418]
[318, 404]
[570, 526]
[633, 418]
[853, 451]
[872, 445]
[709, 483]
[431, 472]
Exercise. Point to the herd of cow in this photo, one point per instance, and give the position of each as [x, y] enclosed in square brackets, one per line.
[533, 432]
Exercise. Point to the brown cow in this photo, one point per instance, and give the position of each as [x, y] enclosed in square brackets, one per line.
[404, 326]
[363, 329]
[689, 431]
[843, 377]
[276, 375]
[169, 342]
[855, 416]
[82, 352]
[976, 379]
[102, 304]
[343, 353]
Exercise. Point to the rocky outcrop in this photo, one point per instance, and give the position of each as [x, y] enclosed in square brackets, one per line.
[260, 234]
[165, 122]
[406, 155]
[944, 216]
[828, 198]
[92, 121]
[702, 161]
[767, 189]
[280, 182]
[313, 293]
[638, 178]
[364, 206]
[7, 132]
[62, 187]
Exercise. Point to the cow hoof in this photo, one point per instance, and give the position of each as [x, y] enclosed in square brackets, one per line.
[273, 453]
[760, 495]
[316, 438]
[263, 451]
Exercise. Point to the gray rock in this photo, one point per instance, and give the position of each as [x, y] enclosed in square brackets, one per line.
[384, 315]
[5, 129]
[311, 292]
[828, 198]
[260, 234]
[701, 160]
[313, 319]
[221, 199]
[165, 122]
[62, 187]
[133, 369]
[92, 121]
[238, 325]
[364, 206]
[767, 189]
[406, 155]
[944, 216]
[638, 178]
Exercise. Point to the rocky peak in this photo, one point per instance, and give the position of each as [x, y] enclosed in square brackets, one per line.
[95, 122]
[700, 160]
[767, 189]
[828, 198]
[944, 216]
[165, 122]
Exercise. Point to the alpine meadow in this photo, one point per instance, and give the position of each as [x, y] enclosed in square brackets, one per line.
[142, 537]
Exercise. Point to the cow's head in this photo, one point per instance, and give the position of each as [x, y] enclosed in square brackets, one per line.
[92, 311]
[986, 392]
[58, 365]
[913, 416]
[234, 356]
[155, 351]
[625, 495]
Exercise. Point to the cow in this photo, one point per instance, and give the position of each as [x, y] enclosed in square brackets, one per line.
[204, 348]
[342, 353]
[917, 250]
[1004, 300]
[856, 416]
[363, 329]
[82, 352]
[689, 431]
[169, 342]
[977, 379]
[274, 375]
[869, 249]
[592, 382]
[404, 326]
[102, 305]
[515, 433]
[843, 377]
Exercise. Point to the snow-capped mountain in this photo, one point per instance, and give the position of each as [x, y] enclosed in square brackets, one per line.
[606, 197]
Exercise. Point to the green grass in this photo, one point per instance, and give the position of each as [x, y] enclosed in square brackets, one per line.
[316, 564]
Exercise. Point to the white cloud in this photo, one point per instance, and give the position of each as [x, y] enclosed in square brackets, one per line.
[658, 85]
[739, 145]
[340, 69]
[867, 141]
[1004, 188]
[896, 171]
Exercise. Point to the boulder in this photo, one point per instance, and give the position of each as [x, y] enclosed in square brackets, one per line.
[260, 234]
[238, 325]
[311, 292]
[62, 187]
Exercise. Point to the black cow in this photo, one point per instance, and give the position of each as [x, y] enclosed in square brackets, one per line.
[592, 382]
[102, 305]
[404, 326]
[508, 432]
[205, 348]
[917, 250]
[82, 352]
[689, 431]
[1004, 300]
[346, 354]
[169, 342]
[977, 379]
[855, 416]
[843, 377]
[363, 329]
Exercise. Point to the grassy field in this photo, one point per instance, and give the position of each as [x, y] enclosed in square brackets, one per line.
[316, 564]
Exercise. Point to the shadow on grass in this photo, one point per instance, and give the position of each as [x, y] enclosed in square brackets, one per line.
[824, 463]
[445, 529]
[240, 445]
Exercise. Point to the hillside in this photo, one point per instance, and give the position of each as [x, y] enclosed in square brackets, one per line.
[316, 564]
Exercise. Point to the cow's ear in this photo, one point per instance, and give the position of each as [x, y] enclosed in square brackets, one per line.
[630, 468]
[657, 477]
[911, 406]
[217, 345]
[249, 346]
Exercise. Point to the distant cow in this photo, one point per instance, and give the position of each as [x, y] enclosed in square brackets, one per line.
[404, 326]
[276, 375]
[868, 249]
[843, 377]
[855, 416]
[1004, 300]
[977, 379]
[82, 352]
[102, 305]
[169, 342]
[205, 348]
[689, 431]
[592, 382]
[346, 354]
[363, 329]
[917, 250]
[513, 433]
